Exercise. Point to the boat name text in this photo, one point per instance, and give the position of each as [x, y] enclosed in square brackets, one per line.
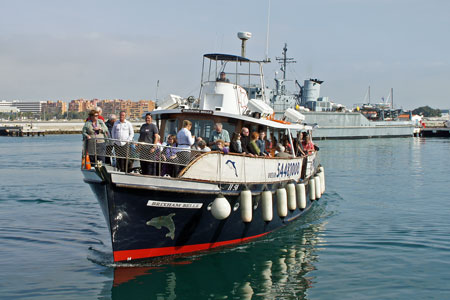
[174, 204]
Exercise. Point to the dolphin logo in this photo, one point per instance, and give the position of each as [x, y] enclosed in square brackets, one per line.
[164, 221]
[233, 165]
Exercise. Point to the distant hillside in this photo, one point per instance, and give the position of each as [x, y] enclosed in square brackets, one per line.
[427, 111]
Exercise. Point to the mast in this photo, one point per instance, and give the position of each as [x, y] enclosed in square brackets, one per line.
[284, 61]
[392, 98]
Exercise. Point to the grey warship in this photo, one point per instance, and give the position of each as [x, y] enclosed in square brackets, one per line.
[333, 121]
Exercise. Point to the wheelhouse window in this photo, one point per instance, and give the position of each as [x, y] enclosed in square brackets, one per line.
[202, 128]
[171, 127]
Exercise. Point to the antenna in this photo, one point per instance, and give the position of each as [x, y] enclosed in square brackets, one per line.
[267, 34]
[157, 87]
[244, 36]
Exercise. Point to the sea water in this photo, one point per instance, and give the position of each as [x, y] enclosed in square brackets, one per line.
[380, 231]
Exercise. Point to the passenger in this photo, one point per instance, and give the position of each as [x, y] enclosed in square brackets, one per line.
[99, 110]
[220, 146]
[185, 141]
[253, 147]
[169, 154]
[261, 142]
[219, 134]
[94, 131]
[110, 123]
[308, 145]
[281, 151]
[147, 134]
[245, 140]
[197, 142]
[235, 145]
[287, 145]
[299, 147]
[123, 132]
[109, 146]
[202, 146]
[100, 117]
[155, 156]
[222, 77]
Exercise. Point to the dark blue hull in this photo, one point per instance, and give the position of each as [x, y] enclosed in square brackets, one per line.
[141, 231]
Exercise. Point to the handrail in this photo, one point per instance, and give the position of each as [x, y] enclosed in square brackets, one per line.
[149, 159]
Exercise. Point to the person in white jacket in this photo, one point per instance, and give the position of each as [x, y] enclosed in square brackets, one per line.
[123, 132]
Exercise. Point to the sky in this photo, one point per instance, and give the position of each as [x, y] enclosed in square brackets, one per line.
[64, 50]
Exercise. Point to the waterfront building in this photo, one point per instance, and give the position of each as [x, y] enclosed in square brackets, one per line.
[28, 106]
[58, 107]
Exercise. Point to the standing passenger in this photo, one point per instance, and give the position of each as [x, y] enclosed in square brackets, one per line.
[185, 141]
[109, 146]
[261, 142]
[124, 133]
[147, 134]
[245, 140]
[94, 131]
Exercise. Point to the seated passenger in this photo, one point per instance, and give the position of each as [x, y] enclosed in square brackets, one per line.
[201, 146]
[261, 142]
[308, 145]
[253, 147]
[220, 146]
[280, 151]
[235, 145]
[219, 134]
[287, 146]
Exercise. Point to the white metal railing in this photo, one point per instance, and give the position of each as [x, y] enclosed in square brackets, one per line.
[155, 159]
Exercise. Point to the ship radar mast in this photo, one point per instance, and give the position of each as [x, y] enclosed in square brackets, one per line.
[244, 36]
[284, 60]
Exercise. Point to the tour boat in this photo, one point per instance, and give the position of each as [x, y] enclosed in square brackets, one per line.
[214, 198]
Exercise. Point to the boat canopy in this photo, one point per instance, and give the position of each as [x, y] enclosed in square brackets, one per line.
[226, 57]
[209, 113]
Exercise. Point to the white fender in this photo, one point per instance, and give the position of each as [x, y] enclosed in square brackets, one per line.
[246, 206]
[312, 189]
[291, 201]
[322, 179]
[301, 196]
[221, 208]
[318, 188]
[267, 206]
[282, 202]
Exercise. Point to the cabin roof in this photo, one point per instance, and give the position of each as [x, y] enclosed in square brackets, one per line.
[264, 122]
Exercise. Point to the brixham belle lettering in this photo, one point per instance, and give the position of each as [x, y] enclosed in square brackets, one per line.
[155, 203]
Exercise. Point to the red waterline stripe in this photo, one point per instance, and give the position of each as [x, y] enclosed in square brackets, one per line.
[153, 252]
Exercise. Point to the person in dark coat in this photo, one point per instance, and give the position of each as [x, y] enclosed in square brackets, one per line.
[147, 134]
[245, 141]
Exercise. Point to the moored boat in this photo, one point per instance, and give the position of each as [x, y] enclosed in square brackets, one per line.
[207, 199]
